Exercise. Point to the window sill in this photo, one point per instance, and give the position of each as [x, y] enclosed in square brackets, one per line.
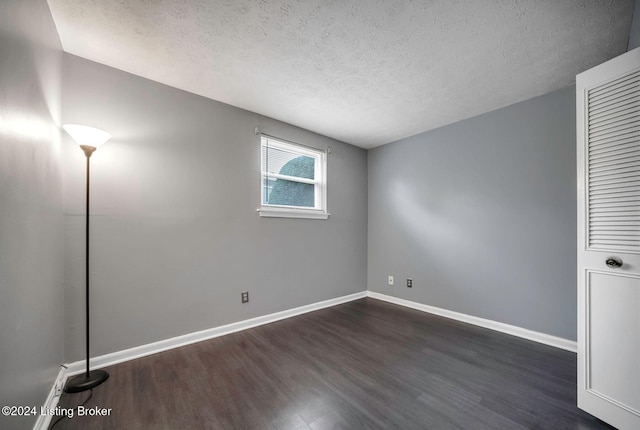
[291, 213]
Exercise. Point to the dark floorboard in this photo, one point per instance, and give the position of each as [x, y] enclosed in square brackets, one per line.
[366, 364]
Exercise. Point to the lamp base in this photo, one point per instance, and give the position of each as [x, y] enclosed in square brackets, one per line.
[82, 382]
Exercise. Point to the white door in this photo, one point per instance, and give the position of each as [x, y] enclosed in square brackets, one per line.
[608, 131]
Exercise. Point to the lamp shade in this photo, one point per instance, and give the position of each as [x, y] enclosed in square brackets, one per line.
[88, 136]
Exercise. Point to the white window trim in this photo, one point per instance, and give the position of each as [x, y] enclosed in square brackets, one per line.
[278, 211]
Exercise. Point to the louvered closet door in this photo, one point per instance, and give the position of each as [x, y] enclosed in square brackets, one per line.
[608, 148]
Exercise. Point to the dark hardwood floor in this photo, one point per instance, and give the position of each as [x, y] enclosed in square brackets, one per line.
[366, 364]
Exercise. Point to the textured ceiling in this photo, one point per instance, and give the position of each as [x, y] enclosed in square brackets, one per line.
[366, 72]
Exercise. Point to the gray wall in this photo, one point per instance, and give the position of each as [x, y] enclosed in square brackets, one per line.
[175, 232]
[31, 303]
[481, 215]
[634, 36]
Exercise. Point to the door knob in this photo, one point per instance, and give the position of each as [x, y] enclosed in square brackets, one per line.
[613, 262]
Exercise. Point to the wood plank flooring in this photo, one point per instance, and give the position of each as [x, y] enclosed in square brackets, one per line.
[366, 364]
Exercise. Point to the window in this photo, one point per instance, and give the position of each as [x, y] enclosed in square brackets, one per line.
[293, 180]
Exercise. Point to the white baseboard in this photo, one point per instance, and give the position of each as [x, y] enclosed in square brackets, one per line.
[52, 401]
[78, 367]
[558, 342]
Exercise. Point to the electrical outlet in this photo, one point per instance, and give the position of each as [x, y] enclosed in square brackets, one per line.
[390, 280]
[409, 283]
[244, 296]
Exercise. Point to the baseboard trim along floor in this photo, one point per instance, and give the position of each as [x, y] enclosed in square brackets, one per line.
[106, 360]
[78, 367]
[558, 342]
[51, 402]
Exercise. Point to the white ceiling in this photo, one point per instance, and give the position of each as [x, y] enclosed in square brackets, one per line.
[366, 72]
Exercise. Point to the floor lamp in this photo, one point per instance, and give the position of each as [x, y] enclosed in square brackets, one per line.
[89, 139]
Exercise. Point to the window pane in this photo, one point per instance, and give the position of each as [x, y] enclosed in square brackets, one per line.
[267, 184]
[286, 167]
[288, 193]
[275, 160]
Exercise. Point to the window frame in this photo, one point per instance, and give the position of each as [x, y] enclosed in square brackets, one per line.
[319, 211]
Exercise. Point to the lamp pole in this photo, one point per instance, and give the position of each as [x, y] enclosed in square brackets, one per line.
[88, 150]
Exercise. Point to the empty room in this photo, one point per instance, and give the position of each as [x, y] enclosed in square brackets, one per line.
[292, 214]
